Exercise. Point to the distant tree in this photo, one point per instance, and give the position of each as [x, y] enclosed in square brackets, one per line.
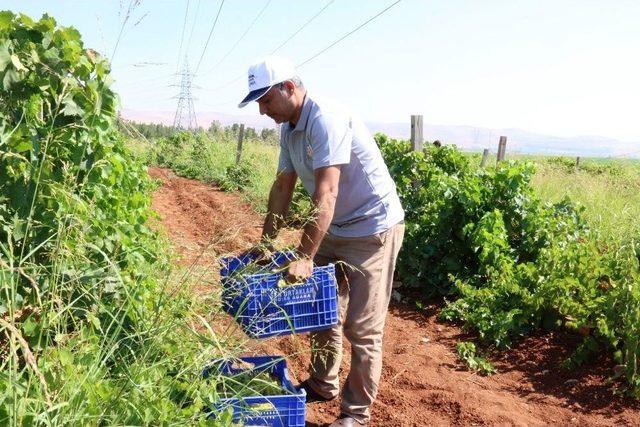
[250, 133]
[215, 127]
[147, 130]
[269, 135]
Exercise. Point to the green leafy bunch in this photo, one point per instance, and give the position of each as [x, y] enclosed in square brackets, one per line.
[73, 202]
[302, 209]
[509, 262]
[89, 335]
[444, 197]
[91, 332]
[236, 177]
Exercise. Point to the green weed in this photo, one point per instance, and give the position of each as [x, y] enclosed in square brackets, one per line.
[468, 354]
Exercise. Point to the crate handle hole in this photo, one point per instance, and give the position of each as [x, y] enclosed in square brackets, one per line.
[243, 365]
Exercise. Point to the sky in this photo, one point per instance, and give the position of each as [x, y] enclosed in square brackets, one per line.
[563, 67]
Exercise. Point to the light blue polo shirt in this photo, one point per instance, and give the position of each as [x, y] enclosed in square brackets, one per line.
[328, 135]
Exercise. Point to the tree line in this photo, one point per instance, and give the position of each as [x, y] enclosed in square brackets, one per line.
[215, 129]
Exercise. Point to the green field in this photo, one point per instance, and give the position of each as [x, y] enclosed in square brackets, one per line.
[608, 189]
[212, 158]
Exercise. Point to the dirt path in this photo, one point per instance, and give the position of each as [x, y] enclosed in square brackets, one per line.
[423, 383]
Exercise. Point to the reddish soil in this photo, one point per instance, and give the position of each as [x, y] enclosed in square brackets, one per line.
[423, 383]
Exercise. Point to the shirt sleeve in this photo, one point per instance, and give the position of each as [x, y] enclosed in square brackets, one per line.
[331, 137]
[284, 160]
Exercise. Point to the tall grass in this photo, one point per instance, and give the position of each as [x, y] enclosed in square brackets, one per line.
[71, 361]
[212, 158]
[609, 192]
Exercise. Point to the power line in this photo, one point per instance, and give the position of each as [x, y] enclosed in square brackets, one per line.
[209, 38]
[281, 45]
[184, 26]
[242, 36]
[320, 52]
[348, 34]
[148, 64]
[193, 25]
[302, 27]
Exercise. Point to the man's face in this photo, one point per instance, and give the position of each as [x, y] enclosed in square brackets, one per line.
[277, 104]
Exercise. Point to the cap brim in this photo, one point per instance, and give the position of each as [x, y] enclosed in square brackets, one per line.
[254, 95]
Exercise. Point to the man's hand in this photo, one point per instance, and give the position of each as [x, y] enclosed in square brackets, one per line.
[299, 270]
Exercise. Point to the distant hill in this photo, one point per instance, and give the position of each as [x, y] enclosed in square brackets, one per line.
[522, 141]
[468, 138]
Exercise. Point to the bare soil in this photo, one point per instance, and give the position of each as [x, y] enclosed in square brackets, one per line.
[423, 382]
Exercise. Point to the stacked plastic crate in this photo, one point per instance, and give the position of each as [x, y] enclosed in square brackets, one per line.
[265, 305]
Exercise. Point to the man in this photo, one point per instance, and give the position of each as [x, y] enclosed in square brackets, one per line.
[358, 220]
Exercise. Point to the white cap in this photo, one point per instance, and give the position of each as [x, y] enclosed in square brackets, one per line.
[265, 74]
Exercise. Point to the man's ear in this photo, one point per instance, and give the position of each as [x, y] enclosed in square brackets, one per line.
[290, 86]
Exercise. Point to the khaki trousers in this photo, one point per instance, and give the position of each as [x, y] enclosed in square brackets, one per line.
[365, 275]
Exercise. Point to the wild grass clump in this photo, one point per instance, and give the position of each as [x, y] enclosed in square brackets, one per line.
[213, 159]
[609, 192]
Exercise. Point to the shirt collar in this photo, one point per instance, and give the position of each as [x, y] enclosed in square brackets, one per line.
[304, 115]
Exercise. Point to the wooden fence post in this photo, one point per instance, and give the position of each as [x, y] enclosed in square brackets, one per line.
[578, 162]
[239, 149]
[416, 133]
[502, 148]
[485, 157]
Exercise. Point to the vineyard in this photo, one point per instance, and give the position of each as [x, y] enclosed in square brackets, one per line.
[511, 263]
[92, 330]
[505, 262]
[508, 262]
[102, 324]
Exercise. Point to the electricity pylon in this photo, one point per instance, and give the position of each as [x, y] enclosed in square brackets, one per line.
[185, 117]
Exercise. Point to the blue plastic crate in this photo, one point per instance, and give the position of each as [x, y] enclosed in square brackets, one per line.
[287, 410]
[265, 309]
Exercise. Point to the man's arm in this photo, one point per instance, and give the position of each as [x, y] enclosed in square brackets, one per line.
[278, 206]
[324, 201]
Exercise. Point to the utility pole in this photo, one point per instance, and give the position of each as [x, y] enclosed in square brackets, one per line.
[185, 117]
